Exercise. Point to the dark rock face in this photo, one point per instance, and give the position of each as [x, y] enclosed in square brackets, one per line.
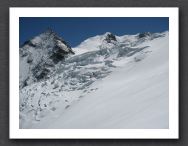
[43, 74]
[41, 54]
[57, 56]
[110, 37]
[59, 53]
[145, 34]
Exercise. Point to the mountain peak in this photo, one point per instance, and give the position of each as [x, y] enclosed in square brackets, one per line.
[107, 33]
[144, 34]
[49, 30]
[40, 55]
[109, 37]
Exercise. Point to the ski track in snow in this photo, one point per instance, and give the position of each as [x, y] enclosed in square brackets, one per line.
[114, 85]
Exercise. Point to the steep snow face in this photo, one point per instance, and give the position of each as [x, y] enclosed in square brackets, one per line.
[117, 82]
[40, 56]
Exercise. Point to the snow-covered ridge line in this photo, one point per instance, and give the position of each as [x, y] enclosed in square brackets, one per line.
[94, 43]
[87, 75]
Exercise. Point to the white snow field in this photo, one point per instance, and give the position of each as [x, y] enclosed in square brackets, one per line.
[111, 82]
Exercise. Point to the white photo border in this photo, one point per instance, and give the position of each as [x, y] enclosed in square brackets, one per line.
[171, 133]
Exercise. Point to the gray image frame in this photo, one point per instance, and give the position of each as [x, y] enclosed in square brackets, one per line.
[4, 74]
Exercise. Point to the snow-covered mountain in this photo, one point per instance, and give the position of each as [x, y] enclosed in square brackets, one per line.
[110, 82]
[40, 56]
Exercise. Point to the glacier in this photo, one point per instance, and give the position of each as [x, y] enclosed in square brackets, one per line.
[106, 82]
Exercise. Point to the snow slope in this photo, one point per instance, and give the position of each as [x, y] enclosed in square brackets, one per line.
[113, 83]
